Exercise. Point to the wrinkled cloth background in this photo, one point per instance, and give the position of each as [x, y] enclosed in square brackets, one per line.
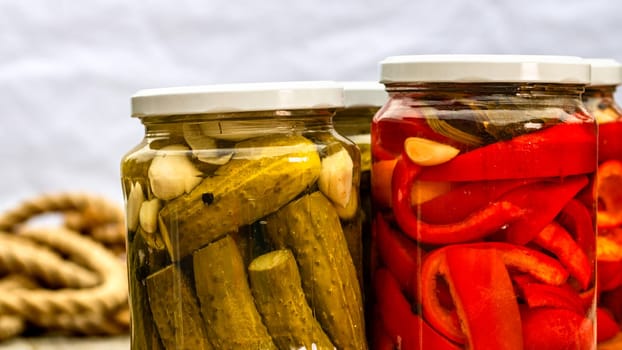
[68, 68]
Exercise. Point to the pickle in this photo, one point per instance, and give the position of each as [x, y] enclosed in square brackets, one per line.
[144, 335]
[279, 297]
[265, 174]
[227, 305]
[334, 177]
[310, 227]
[365, 149]
[175, 310]
[352, 231]
[148, 254]
[251, 241]
[244, 240]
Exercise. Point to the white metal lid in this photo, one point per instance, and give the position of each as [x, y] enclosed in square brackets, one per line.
[364, 94]
[605, 71]
[237, 98]
[485, 69]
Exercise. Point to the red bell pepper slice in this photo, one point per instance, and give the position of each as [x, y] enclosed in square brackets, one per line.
[381, 174]
[545, 295]
[405, 328]
[443, 319]
[558, 241]
[378, 153]
[457, 204]
[484, 297]
[542, 201]
[612, 301]
[607, 326]
[540, 266]
[400, 255]
[557, 151]
[609, 259]
[556, 329]
[609, 141]
[476, 226]
[526, 260]
[576, 218]
[379, 337]
[610, 194]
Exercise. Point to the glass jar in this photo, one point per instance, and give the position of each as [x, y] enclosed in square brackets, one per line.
[236, 200]
[482, 173]
[599, 101]
[362, 99]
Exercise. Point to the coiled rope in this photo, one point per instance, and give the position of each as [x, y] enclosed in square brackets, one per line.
[69, 278]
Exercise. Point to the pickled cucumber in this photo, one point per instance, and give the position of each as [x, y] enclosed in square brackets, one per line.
[365, 149]
[227, 305]
[265, 174]
[279, 297]
[352, 231]
[145, 335]
[175, 310]
[339, 169]
[310, 227]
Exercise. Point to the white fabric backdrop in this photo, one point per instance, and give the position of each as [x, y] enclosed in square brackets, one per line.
[68, 68]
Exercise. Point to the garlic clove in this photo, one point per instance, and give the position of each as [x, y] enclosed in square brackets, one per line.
[336, 177]
[134, 201]
[172, 174]
[349, 211]
[196, 139]
[427, 152]
[204, 148]
[148, 215]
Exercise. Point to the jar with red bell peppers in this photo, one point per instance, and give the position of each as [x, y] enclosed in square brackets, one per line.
[482, 177]
[599, 101]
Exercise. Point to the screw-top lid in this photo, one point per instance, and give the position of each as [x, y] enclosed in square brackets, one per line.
[485, 69]
[605, 71]
[237, 98]
[364, 94]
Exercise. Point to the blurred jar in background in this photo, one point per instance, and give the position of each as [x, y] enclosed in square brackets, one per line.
[362, 99]
[599, 101]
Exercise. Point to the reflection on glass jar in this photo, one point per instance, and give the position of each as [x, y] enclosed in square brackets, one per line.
[361, 102]
[238, 199]
[599, 101]
[482, 173]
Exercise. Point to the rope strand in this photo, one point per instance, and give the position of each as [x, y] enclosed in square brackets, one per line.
[18, 255]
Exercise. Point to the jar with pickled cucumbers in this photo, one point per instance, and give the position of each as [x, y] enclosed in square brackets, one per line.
[484, 231]
[239, 201]
[362, 99]
[599, 101]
